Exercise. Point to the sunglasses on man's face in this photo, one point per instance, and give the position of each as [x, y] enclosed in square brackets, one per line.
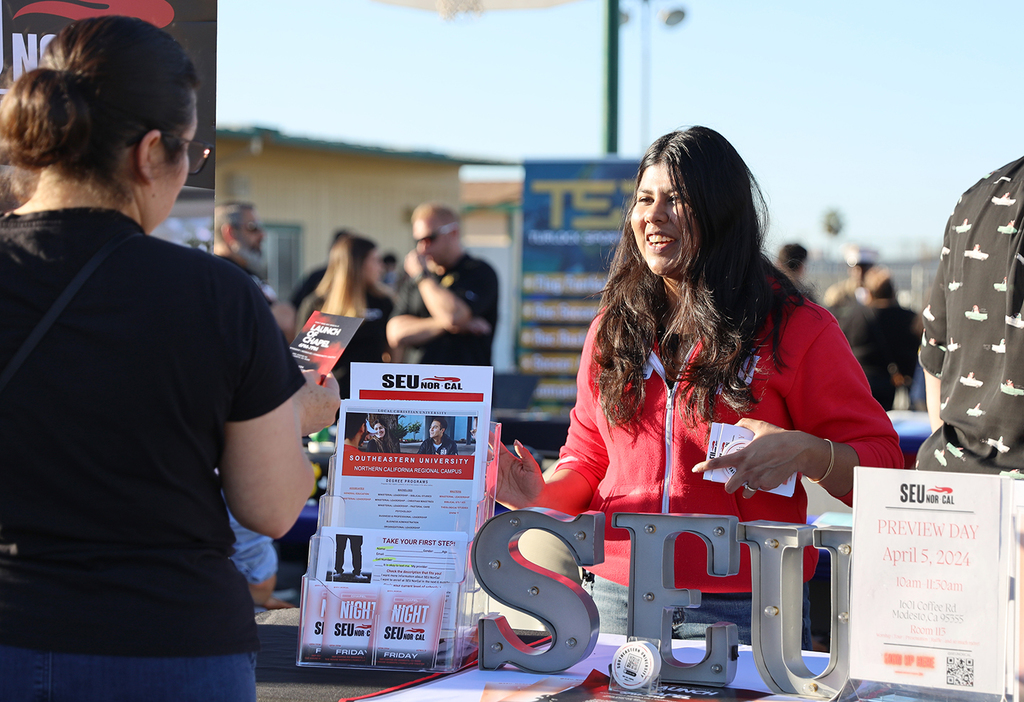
[430, 238]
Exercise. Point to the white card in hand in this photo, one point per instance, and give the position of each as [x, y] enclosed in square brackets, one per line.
[729, 438]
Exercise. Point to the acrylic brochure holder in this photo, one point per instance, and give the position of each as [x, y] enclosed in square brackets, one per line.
[389, 582]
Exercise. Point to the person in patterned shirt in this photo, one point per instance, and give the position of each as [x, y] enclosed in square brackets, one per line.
[972, 350]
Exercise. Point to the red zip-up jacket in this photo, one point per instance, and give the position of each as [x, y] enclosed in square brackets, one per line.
[820, 390]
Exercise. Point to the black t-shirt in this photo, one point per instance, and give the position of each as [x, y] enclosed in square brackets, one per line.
[306, 287]
[880, 336]
[883, 335]
[114, 538]
[475, 282]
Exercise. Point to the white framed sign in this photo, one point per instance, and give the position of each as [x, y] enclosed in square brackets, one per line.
[930, 588]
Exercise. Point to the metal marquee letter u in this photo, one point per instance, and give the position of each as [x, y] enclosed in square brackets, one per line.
[776, 565]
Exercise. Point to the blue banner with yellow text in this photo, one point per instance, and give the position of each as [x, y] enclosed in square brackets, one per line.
[572, 220]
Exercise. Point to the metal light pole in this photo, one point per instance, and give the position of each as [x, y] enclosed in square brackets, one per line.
[611, 74]
[645, 73]
[669, 18]
[611, 77]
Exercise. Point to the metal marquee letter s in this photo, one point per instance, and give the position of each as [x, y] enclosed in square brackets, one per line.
[560, 604]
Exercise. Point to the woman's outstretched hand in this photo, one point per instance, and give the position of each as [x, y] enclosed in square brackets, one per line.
[520, 481]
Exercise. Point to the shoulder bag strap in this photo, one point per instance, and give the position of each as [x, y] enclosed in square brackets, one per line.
[57, 307]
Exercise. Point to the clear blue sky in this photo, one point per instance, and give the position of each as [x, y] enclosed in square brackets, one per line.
[885, 110]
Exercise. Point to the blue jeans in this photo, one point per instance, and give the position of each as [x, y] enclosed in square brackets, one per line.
[611, 599]
[30, 676]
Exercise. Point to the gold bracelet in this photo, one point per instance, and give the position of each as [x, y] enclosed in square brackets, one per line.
[831, 462]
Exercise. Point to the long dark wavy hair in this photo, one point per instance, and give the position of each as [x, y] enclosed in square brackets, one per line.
[729, 289]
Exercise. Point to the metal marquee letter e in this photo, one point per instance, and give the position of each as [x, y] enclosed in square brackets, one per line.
[653, 595]
[567, 611]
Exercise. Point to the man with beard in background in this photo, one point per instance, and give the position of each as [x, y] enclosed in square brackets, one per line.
[238, 236]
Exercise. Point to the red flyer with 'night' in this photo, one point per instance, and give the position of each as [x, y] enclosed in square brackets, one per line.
[322, 341]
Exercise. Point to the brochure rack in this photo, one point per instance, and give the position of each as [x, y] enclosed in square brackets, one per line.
[389, 582]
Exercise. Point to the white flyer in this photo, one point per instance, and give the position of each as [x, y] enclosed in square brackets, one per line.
[729, 438]
[931, 579]
[420, 559]
[408, 465]
[1015, 669]
[469, 385]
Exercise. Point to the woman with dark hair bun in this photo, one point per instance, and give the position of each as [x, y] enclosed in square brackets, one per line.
[697, 326]
[161, 376]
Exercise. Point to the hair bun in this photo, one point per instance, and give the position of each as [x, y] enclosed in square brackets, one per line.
[46, 118]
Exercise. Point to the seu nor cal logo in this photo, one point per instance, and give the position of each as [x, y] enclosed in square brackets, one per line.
[414, 382]
[918, 493]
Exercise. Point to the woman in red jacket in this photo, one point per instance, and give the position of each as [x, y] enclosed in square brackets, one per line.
[697, 326]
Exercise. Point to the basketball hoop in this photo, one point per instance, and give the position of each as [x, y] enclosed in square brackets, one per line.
[450, 9]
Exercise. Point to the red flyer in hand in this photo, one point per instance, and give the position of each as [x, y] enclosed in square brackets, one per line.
[322, 341]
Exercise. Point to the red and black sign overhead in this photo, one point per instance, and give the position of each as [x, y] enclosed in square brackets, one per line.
[29, 25]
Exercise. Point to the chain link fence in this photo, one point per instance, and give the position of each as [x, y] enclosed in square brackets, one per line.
[913, 279]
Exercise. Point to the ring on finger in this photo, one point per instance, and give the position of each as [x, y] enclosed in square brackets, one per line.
[749, 491]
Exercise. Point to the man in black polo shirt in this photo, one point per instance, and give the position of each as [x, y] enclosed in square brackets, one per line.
[448, 306]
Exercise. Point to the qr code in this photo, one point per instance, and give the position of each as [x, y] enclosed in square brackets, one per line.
[959, 671]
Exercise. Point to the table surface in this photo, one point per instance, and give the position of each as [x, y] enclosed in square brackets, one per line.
[279, 679]
[470, 685]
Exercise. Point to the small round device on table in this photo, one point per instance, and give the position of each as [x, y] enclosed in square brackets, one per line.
[636, 664]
